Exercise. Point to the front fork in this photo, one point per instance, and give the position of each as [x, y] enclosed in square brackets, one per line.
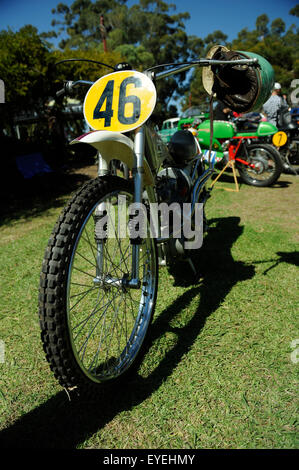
[138, 170]
[132, 281]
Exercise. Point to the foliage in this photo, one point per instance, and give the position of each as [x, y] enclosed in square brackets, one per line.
[146, 34]
[279, 47]
[24, 60]
[196, 94]
[295, 11]
[81, 21]
[82, 70]
[148, 24]
[30, 77]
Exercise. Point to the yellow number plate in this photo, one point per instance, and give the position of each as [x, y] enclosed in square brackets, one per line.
[120, 101]
[279, 139]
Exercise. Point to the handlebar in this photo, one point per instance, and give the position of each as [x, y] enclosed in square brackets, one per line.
[70, 85]
[176, 68]
[204, 63]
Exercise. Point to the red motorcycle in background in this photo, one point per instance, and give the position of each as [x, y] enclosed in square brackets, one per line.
[242, 142]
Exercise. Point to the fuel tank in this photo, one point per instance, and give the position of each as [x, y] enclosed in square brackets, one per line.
[221, 129]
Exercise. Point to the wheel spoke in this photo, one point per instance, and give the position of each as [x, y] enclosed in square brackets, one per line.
[105, 319]
[101, 321]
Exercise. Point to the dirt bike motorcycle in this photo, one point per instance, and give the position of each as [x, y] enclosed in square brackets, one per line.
[259, 164]
[99, 278]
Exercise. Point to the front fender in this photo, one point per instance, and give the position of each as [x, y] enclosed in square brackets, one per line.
[115, 146]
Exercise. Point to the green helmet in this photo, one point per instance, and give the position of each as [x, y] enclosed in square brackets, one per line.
[242, 88]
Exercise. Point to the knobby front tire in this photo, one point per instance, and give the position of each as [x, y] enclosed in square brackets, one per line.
[93, 326]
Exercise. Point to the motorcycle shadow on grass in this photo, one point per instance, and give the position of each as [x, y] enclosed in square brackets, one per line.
[63, 424]
[283, 257]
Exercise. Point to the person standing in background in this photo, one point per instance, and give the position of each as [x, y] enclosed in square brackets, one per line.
[222, 112]
[273, 105]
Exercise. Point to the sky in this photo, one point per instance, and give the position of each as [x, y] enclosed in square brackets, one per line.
[229, 16]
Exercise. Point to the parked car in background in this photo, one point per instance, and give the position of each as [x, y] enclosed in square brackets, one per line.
[190, 114]
[169, 127]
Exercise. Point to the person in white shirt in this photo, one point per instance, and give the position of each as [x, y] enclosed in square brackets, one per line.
[274, 103]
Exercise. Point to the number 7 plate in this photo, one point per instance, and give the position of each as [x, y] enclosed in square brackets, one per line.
[279, 139]
[120, 101]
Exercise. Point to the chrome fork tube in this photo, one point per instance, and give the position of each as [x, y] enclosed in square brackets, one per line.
[102, 166]
[100, 244]
[138, 171]
[138, 164]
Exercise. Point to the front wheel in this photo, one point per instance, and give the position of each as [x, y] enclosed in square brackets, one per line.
[264, 165]
[93, 324]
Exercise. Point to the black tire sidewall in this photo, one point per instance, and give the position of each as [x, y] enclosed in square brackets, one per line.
[274, 177]
[53, 288]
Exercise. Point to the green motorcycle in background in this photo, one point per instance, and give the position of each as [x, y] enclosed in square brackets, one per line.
[258, 164]
[242, 140]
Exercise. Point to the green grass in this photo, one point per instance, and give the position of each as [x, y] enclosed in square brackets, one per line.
[218, 373]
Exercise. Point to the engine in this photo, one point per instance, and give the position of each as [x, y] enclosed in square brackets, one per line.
[175, 183]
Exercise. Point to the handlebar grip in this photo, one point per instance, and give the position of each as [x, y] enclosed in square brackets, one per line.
[60, 92]
[67, 88]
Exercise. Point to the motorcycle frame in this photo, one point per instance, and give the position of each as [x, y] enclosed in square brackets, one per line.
[139, 186]
[234, 149]
[134, 156]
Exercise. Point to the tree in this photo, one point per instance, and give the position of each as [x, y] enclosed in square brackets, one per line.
[147, 34]
[24, 59]
[31, 79]
[195, 94]
[81, 21]
[217, 37]
[279, 47]
[262, 25]
[295, 11]
[278, 27]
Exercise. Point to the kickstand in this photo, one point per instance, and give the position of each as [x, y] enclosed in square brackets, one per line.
[197, 274]
[231, 164]
[192, 265]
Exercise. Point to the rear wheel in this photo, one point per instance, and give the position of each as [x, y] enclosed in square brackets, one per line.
[93, 324]
[264, 165]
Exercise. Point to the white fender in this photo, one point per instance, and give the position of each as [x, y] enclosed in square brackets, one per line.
[114, 146]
